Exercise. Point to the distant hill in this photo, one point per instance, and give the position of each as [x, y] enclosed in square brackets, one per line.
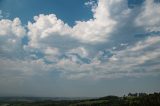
[136, 99]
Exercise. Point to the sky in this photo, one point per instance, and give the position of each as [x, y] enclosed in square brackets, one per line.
[79, 48]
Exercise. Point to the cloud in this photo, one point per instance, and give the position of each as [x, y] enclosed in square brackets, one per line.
[107, 22]
[98, 28]
[11, 33]
[51, 51]
[79, 50]
[127, 62]
[18, 69]
[140, 59]
[11, 28]
[91, 4]
[51, 54]
[149, 16]
[45, 26]
[93, 30]
[102, 47]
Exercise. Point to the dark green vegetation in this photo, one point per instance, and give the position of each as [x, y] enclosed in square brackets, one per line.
[137, 99]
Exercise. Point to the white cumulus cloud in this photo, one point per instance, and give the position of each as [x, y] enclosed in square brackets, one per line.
[11, 33]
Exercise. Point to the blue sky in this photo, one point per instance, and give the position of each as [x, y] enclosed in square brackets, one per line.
[79, 48]
[26, 10]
